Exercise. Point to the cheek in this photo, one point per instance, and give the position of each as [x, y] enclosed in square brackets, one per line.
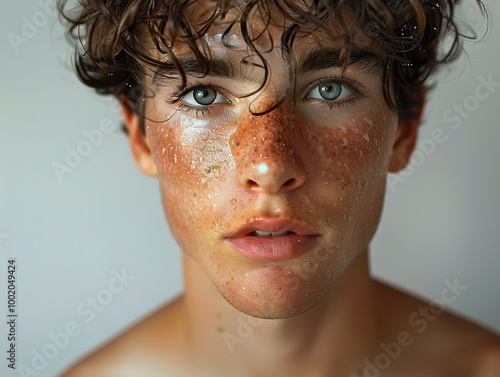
[351, 165]
[356, 150]
[191, 160]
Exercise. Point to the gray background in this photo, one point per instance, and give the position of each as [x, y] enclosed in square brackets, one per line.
[441, 222]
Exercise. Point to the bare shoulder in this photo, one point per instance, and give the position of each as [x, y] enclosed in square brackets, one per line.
[147, 348]
[432, 333]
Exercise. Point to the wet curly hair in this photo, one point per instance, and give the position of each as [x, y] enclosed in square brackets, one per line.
[110, 55]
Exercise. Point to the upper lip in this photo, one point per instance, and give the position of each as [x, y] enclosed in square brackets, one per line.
[272, 225]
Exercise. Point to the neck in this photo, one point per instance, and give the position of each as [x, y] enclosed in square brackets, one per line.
[336, 334]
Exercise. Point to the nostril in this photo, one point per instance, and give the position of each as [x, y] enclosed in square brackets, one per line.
[290, 183]
[251, 184]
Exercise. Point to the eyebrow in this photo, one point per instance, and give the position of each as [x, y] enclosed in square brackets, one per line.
[217, 67]
[313, 61]
[330, 58]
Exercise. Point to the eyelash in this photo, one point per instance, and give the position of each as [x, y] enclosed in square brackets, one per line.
[359, 92]
[195, 110]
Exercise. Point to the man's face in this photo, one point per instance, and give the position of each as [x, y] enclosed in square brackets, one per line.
[319, 161]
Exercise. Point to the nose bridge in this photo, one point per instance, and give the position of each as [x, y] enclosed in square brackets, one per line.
[273, 134]
[266, 152]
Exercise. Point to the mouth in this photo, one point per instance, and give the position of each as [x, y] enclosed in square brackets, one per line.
[273, 239]
[261, 233]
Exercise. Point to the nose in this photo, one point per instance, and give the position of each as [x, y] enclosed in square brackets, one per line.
[267, 154]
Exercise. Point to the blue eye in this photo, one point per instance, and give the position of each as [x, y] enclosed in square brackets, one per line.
[329, 91]
[204, 96]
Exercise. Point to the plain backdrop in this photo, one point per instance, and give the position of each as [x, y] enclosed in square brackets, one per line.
[69, 236]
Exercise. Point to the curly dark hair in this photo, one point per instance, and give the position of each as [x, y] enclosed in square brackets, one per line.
[111, 57]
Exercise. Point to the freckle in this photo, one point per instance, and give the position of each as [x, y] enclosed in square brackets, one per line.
[220, 329]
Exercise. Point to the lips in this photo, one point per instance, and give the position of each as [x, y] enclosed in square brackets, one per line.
[274, 226]
[273, 239]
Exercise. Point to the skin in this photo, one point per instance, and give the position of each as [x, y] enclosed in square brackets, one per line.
[321, 162]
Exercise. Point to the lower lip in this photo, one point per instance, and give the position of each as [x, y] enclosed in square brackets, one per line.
[273, 248]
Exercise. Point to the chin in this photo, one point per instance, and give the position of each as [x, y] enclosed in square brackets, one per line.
[276, 292]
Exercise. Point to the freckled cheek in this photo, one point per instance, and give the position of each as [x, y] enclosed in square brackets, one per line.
[352, 157]
[190, 158]
[191, 166]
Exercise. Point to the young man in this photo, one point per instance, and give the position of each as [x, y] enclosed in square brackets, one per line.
[271, 127]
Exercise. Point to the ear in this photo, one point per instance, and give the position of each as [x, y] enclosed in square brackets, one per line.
[406, 139]
[139, 144]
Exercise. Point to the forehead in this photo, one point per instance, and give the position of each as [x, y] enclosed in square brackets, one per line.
[234, 28]
[243, 42]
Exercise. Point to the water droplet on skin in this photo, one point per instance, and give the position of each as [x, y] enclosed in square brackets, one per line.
[366, 137]
[233, 201]
[243, 288]
[163, 151]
